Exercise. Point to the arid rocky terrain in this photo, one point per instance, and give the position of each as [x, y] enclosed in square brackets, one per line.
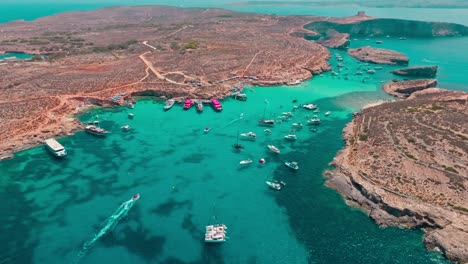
[379, 56]
[164, 51]
[405, 163]
[407, 87]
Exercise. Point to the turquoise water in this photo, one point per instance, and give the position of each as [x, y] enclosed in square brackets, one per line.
[20, 56]
[185, 177]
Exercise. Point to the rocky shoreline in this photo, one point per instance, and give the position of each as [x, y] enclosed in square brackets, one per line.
[402, 175]
[406, 88]
[379, 56]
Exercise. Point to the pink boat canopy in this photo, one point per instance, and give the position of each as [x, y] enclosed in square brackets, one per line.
[216, 104]
[188, 103]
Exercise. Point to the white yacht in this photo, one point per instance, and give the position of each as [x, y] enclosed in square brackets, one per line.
[55, 148]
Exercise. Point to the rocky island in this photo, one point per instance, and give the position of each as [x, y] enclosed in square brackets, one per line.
[418, 71]
[405, 163]
[406, 88]
[379, 56]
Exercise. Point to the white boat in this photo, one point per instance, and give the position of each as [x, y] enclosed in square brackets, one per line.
[207, 129]
[55, 148]
[290, 137]
[327, 113]
[130, 115]
[96, 130]
[267, 131]
[169, 104]
[370, 71]
[273, 148]
[310, 106]
[267, 122]
[273, 185]
[314, 120]
[215, 233]
[125, 128]
[249, 135]
[247, 161]
[289, 114]
[293, 165]
[297, 125]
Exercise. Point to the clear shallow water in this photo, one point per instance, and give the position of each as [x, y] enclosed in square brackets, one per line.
[185, 177]
[20, 56]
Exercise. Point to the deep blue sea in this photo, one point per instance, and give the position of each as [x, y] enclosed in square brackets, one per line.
[186, 177]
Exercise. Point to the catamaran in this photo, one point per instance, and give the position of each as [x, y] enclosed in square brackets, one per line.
[96, 130]
[293, 165]
[169, 104]
[215, 233]
[273, 185]
[273, 148]
[249, 135]
[55, 148]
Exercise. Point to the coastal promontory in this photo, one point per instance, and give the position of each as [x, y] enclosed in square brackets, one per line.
[405, 163]
[379, 56]
[407, 87]
[418, 71]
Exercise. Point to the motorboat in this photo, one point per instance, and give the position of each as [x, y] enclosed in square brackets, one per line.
[267, 131]
[310, 106]
[370, 71]
[216, 104]
[314, 120]
[199, 106]
[131, 115]
[169, 104]
[359, 73]
[188, 104]
[96, 130]
[215, 233]
[273, 185]
[273, 148]
[290, 137]
[266, 122]
[378, 41]
[239, 96]
[297, 125]
[327, 113]
[207, 129]
[125, 128]
[249, 135]
[244, 162]
[293, 165]
[288, 114]
[54, 147]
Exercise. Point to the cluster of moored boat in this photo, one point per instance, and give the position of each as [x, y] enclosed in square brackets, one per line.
[188, 103]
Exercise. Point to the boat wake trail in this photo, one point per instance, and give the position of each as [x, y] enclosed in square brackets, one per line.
[109, 224]
[235, 120]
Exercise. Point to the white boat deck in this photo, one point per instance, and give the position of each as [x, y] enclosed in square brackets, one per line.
[53, 144]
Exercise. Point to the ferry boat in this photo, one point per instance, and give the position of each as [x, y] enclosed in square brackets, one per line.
[188, 104]
[199, 106]
[273, 185]
[96, 130]
[290, 137]
[273, 148]
[169, 104]
[215, 233]
[244, 162]
[249, 135]
[314, 120]
[216, 104]
[55, 148]
[266, 122]
[293, 165]
[310, 106]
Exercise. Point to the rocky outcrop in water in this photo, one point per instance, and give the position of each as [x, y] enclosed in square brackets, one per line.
[419, 71]
[392, 27]
[379, 56]
[335, 40]
[406, 88]
[405, 163]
